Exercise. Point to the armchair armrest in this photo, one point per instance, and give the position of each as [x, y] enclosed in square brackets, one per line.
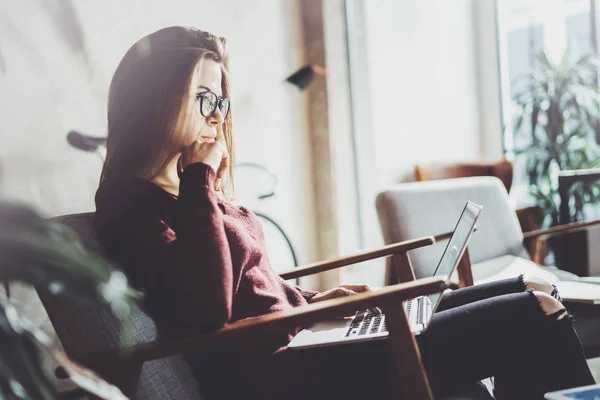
[446, 236]
[530, 218]
[231, 334]
[535, 241]
[321, 266]
[443, 236]
[560, 229]
[123, 366]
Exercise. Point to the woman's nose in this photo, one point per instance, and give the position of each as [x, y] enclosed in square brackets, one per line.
[216, 119]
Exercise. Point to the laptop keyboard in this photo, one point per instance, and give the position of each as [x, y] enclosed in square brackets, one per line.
[366, 323]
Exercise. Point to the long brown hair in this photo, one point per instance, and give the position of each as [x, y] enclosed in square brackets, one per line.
[146, 97]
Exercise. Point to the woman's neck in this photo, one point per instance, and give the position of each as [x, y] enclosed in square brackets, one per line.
[168, 179]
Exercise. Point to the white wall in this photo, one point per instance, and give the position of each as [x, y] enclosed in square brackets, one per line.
[47, 91]
[423, 84]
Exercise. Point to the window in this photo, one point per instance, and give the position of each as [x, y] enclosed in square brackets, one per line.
[526, 27]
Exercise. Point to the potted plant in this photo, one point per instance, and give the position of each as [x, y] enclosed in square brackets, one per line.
[557, 111]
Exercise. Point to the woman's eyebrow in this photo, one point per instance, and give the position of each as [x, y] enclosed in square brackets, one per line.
[202, 87]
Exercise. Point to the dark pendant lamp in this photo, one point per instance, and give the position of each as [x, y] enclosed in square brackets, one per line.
[304, 76]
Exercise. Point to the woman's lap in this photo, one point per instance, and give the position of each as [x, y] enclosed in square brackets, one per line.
[349, 371]
[367, 368]
[482, 291]
[496, 329]
[478, 340]
[356, 371]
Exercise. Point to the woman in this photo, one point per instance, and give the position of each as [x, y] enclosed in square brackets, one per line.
[164, 214]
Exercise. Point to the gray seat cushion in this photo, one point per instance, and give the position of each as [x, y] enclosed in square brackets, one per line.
[84, 329]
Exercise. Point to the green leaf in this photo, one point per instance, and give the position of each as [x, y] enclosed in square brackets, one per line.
[518, 122]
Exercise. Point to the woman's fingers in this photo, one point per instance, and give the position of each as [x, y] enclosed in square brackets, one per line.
[211, 154]
[361, 289]
[331, 294]
[357, 288]
[342, 291]
[223, 167]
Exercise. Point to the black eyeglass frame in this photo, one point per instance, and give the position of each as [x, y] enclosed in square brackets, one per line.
[202, 96]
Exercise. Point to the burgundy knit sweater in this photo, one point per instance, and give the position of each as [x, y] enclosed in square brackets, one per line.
[202, 263]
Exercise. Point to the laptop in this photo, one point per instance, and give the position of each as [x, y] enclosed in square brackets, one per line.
[368, 325]
[591, 392]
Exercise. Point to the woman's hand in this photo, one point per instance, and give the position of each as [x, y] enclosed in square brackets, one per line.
[213, 154]
[342, 291]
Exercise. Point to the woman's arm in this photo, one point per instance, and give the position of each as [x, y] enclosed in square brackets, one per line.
[181, 260]
[202, 255]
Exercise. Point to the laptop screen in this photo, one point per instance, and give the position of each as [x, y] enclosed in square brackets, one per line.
[456, 245]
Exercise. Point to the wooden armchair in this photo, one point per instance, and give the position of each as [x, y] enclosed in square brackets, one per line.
[499, 249]
[125, 367]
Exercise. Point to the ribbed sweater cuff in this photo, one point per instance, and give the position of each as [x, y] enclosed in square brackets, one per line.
[199, 174]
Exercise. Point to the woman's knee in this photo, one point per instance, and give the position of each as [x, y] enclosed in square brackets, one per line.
[548, 303]
[537, 284]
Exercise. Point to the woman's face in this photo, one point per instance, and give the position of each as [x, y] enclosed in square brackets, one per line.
[195, 126]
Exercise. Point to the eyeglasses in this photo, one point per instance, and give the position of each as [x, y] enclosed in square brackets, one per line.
[209, 103]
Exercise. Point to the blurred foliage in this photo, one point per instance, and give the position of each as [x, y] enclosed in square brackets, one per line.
[49, 256]
[557, 114]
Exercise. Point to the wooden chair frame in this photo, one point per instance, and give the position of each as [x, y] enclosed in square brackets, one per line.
[122, 367]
